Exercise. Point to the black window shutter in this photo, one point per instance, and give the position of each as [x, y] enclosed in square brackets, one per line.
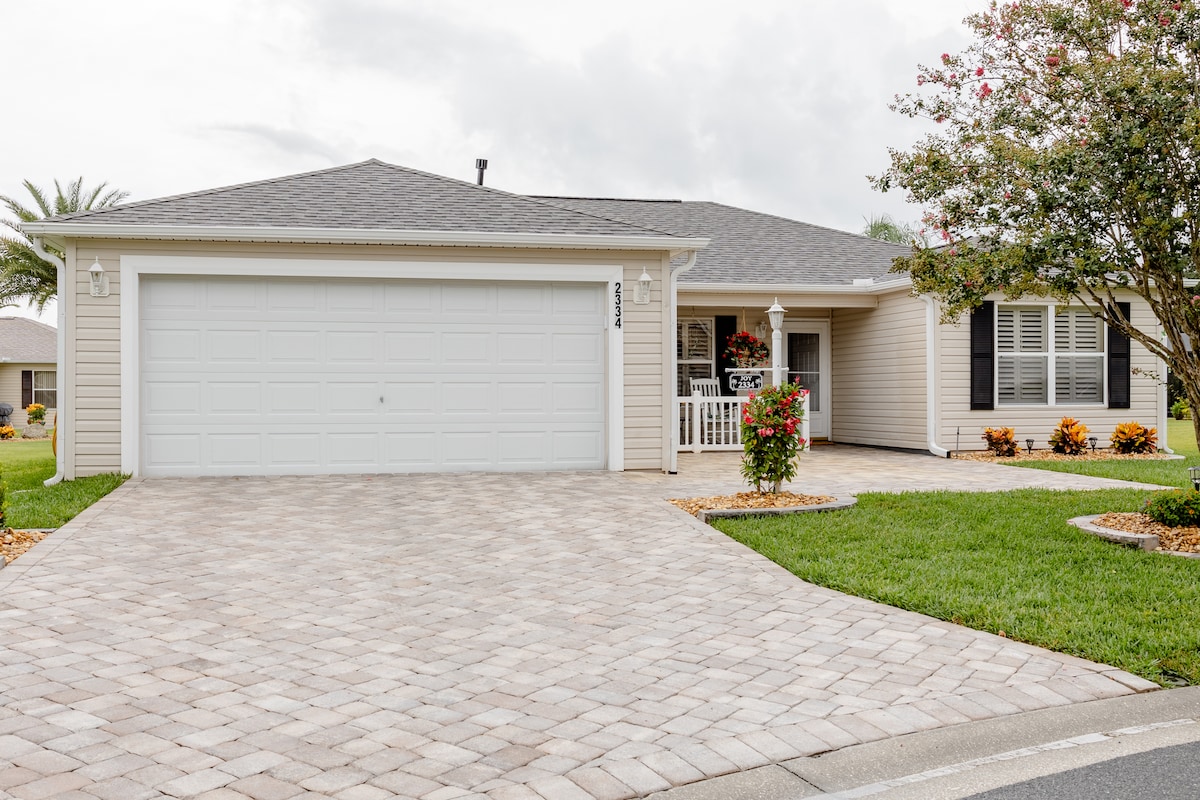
[983, 345]
[1118, 364]
[723, 328]
[26, 387]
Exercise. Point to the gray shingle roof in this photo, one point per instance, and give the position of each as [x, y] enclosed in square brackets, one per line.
[25, 341]
[370, 195]
[750, 247]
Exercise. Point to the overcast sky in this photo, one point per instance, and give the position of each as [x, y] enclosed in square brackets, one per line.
[774, 105]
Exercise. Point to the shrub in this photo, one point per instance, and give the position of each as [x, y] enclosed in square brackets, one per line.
[1176, 508]
[1070, 437]
[1179, 409]
[36, 412]
[1133, 437]
[770, 442]
[7, 432]
[1001, 441]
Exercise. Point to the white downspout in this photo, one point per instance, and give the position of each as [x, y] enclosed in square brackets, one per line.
[60, 369]
[931, 321]
[673, 299]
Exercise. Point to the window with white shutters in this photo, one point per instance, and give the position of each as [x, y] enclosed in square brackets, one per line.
[695, 353]
[1048, 358]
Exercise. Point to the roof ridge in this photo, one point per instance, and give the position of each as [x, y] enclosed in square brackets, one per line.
[799, 222]
[204, 192]
[606, 199]
[28, 321]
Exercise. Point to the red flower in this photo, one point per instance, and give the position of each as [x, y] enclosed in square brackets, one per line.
[979, 72]
[1051, 61]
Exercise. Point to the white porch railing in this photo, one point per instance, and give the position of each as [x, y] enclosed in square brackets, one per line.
[710, 423]
[715, 423]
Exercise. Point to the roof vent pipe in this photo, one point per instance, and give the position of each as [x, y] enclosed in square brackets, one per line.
[480, 166]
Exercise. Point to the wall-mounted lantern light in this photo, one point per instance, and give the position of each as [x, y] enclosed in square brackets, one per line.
[99, 279]
[641, 293]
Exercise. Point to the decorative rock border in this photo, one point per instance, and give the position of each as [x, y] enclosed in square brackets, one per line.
[706, 514]
[1142, 541]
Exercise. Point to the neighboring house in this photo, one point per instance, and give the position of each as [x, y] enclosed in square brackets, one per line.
[373, 318]
[28, 354]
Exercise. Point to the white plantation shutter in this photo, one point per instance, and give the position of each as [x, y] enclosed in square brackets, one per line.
[696, 352]
[1025, 345]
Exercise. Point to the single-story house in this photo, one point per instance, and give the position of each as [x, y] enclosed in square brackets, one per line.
[28, 367]
[374, 318]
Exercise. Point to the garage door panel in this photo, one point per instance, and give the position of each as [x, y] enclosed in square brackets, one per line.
[241, 398]
[275, 376]
[244, 450]
[174, 347]
[292, 296]
[351, 347]
[293, 347]
[293, 449]
[173, 398]
[234, 347]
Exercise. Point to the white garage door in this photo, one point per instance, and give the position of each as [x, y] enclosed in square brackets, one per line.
[277, 376]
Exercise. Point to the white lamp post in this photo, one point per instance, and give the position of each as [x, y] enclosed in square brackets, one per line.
[775, 314]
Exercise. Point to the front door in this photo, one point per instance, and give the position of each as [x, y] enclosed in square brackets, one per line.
[806, 354]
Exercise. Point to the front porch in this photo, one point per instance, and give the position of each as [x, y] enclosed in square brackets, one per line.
[708, 424]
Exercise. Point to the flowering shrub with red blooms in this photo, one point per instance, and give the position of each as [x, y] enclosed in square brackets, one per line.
[746, 350]
[770, 436]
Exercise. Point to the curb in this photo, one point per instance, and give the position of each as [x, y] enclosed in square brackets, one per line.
[706, 514]
[1143, 541]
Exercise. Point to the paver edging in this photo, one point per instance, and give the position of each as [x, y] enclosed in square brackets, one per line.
[1143, 541]
[706, 514]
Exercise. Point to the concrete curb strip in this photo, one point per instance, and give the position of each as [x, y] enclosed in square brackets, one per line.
[704, 515]
[1143, 541]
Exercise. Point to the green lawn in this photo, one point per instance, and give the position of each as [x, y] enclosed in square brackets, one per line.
[1180, 437]
[1007, 561]
[23, 467]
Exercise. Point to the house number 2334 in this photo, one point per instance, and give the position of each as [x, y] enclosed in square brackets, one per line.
[617, 303]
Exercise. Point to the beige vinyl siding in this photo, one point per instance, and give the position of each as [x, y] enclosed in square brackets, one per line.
[1037, 421]
[93, 358]
[879, 374]
[10, 392]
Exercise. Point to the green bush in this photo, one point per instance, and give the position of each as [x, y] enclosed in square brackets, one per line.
[1179, 409]
[1177, 508]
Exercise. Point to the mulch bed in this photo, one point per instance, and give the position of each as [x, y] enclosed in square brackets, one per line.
[1182, 539]
[750, 500]
[14, 543]
[1050, 455]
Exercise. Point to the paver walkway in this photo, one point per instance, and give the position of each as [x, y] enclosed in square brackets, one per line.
[503, 636]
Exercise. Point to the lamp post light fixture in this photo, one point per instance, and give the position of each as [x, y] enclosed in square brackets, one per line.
[1194, 474]
[1092, 441]
[98, 278]
[641, 292]
[775, 314]
[1029, 446]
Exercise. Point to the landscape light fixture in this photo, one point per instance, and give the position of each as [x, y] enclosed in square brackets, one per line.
[1194, 474]
[1092, 441]
[1029, 446]
[99, 279]
[641, 293]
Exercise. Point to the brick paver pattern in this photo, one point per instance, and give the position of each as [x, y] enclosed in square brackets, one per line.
[439, 637]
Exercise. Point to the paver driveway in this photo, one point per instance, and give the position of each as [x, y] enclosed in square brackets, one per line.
[502, 636]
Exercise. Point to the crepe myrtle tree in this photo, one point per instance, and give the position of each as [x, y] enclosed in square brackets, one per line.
[1066, 164]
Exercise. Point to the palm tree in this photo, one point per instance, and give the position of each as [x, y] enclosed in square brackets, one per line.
[24, 275]
[887, 229]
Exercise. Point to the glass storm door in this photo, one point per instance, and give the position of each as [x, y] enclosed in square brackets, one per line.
[806, 355]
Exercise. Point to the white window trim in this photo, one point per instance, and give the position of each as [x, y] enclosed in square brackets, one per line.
[33, 394]
[133, 267]
[1051, 382]
[680, 361]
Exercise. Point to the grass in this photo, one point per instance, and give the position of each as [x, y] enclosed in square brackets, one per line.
[23, 467]
[1007, 561]
[1180, 437]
